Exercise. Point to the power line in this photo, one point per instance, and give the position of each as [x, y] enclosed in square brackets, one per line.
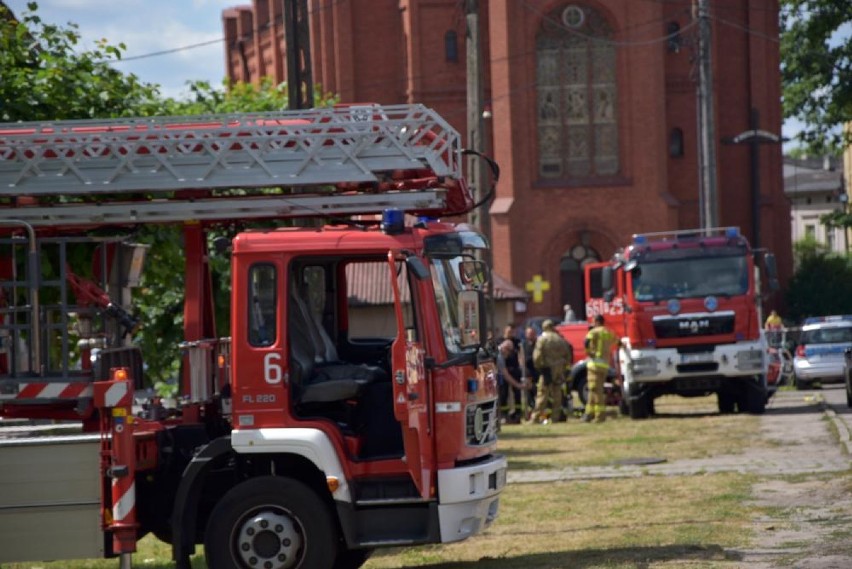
[265, 26]
[164, 52]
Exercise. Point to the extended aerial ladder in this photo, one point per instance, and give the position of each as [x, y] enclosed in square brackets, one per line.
[59, 180]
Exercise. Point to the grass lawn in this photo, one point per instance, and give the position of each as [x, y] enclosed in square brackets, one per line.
[683, 521]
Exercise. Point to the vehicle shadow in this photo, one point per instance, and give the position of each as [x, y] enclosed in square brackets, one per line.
[639, 557]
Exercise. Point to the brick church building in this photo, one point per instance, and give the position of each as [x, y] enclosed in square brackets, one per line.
[593, 112]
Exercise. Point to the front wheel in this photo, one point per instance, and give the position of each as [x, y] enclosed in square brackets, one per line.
[270, 522]
[755, 397]
[581, 385]
[640, 404]
[848, 393]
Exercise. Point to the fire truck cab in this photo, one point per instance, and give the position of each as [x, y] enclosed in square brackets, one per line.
[687, 306]
[352, 406]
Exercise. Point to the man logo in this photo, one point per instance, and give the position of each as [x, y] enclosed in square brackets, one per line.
[693, 326]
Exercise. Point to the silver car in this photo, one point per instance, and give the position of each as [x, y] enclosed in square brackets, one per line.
[819, 356]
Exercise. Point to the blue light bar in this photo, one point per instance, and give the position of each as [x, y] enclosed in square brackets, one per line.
[640, 239]
[393, 221]
[732, 232]
[832, 318]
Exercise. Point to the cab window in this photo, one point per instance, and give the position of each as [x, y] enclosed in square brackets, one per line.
[262, 330]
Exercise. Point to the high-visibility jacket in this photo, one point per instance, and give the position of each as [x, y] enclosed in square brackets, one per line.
[599, 343]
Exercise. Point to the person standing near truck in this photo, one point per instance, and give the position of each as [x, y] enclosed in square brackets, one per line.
[550, 356]
[529, 369]
[599, 343]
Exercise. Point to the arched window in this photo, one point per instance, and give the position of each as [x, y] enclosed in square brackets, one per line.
[577, 95]
[571, 267]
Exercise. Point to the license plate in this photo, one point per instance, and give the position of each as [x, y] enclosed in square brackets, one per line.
[696, 358]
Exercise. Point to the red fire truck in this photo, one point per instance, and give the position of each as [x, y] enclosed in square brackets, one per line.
[687, 307]
[351, 407]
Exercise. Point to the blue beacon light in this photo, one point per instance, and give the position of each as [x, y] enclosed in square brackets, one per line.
[393, 221]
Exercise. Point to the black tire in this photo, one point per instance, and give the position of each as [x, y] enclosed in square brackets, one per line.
[271, 518]
[727, 402]
[351, 558]
[622, 403]
[755, 397]
[639, 406]
[848, 393]
[801, 384]
[581, 386]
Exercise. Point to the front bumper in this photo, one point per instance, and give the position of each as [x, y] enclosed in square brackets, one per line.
[469, 497]
[825, 372]
[742, 359]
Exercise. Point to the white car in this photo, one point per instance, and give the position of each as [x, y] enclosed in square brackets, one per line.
[819, 356]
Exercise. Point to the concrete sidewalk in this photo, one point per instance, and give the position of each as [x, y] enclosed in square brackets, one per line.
[794, 421]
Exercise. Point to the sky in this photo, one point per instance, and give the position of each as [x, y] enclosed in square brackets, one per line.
[147, 27]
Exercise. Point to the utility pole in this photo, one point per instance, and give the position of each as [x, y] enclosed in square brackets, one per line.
[297, 42]
[707, 197]
[479, 217]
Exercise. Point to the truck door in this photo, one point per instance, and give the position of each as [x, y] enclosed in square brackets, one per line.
[411, 388]
[597, 299]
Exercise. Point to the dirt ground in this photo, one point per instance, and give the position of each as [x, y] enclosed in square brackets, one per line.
[810, 521]
[803, 500]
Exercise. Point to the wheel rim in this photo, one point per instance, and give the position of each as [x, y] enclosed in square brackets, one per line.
[269, 539]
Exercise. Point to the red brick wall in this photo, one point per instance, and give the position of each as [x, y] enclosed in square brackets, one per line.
[393, 51]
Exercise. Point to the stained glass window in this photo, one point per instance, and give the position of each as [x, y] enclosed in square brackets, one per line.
[577, 95]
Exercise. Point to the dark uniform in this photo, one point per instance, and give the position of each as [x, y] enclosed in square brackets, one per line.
[552, 353]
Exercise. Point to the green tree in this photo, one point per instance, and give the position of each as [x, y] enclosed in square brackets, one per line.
[45, 77]
[820, 285]
[816, 68]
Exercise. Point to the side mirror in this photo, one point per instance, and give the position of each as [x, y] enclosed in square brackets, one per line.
[472, 326]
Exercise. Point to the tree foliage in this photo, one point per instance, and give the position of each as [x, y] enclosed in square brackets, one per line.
[816, 53]
[45, 77]
[820, 285]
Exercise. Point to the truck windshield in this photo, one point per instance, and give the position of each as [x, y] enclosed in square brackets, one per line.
[688, 277]
[445, 253]
[447, 286]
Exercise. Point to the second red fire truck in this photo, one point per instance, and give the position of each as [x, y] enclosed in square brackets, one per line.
[687, 307]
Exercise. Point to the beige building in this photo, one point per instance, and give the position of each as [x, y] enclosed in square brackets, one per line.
[815, 187]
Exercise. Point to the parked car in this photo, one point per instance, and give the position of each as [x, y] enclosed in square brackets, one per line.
[819, 356]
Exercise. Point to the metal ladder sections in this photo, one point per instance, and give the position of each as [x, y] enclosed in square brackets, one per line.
[335, 161]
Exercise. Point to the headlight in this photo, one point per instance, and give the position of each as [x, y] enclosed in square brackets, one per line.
[751, 359]
[648, 365]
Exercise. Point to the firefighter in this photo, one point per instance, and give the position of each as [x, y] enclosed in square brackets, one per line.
[599, 342]
[550, 356]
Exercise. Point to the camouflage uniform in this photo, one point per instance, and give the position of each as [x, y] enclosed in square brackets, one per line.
[599, 343]
[550, 356]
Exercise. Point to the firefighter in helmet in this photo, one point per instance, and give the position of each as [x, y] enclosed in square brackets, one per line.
[599, 342]
[550, 356]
